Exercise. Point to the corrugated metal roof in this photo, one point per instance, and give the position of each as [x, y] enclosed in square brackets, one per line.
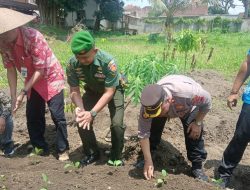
[22, 7]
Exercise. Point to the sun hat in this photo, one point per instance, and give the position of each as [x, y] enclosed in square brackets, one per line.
[82, 41]
[10, 19]
[152, 98]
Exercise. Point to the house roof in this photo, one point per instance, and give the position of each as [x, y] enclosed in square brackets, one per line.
[195, 9]
[22, 7]
[138, 11]
[192, 10]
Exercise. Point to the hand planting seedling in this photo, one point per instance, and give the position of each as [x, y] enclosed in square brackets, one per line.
[162, 180]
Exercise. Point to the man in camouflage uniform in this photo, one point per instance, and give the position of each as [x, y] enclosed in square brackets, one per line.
[6, 125]
[174, 96]
[98, 71]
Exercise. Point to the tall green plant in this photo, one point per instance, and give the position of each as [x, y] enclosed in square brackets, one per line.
[186, 42]
[145, 70]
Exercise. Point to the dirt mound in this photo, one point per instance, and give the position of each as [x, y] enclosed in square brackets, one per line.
[25, 172]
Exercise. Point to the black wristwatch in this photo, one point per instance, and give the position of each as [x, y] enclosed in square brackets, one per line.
[93, 113]
[24, 91]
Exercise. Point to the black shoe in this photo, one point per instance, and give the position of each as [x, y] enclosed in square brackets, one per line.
[9, 150]
[199, 174]
[90, 159]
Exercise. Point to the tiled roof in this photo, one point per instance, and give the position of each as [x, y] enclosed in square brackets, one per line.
[200, 10]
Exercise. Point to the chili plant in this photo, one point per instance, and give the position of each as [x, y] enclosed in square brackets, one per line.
[217, 182]
[72, 165]
[2, 179]
[36, 151]
[46, 181]
[162, 180]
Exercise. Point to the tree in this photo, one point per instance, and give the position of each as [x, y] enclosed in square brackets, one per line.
[220, 6]
[169, 7]
[52, 11]
[246, 6]
[111, 10]
[215, 10]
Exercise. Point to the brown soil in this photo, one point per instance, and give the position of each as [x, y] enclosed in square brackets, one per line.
[25, 172]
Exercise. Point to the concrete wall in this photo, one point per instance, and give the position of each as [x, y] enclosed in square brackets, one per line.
[70, 19]
[90, 9]
[245, 27]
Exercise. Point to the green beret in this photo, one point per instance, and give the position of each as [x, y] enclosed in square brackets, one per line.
[82, 41]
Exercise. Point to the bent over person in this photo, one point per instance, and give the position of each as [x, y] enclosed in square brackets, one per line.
[98, 71]
[25, 50]
[174, 96]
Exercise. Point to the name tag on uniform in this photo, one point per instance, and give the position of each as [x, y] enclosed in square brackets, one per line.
[24, 72]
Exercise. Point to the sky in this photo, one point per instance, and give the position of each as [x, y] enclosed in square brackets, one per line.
[141, 3]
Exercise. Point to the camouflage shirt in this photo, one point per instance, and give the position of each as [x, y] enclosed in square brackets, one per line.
[5, 105]
[103, 72]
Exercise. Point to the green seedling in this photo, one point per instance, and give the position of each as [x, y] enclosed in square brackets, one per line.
[115, 163]
[2, 178]
[162, 180]
[75, 165]
[46, 181]
[3, 187]
[217, 181]
[36, 151]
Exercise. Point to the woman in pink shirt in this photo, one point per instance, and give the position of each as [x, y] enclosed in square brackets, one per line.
[25, 50]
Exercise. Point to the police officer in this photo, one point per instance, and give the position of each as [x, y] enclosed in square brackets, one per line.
[98, 71]
[174, 96]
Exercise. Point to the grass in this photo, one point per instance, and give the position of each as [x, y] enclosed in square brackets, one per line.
[229, 49]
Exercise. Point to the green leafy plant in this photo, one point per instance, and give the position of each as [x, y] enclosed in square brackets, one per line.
[75, 165]
[153, 38]
[217, 182]
[46, 181]
[2, 179]
[186, 42]
[162, 179]
[145, 70]
[36, 151]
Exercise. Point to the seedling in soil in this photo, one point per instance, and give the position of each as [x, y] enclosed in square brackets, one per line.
[217, 182]
[3, 187]
[36, 151]
[46, 181]
[75, 165]
[2, 179]
[162, 180]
